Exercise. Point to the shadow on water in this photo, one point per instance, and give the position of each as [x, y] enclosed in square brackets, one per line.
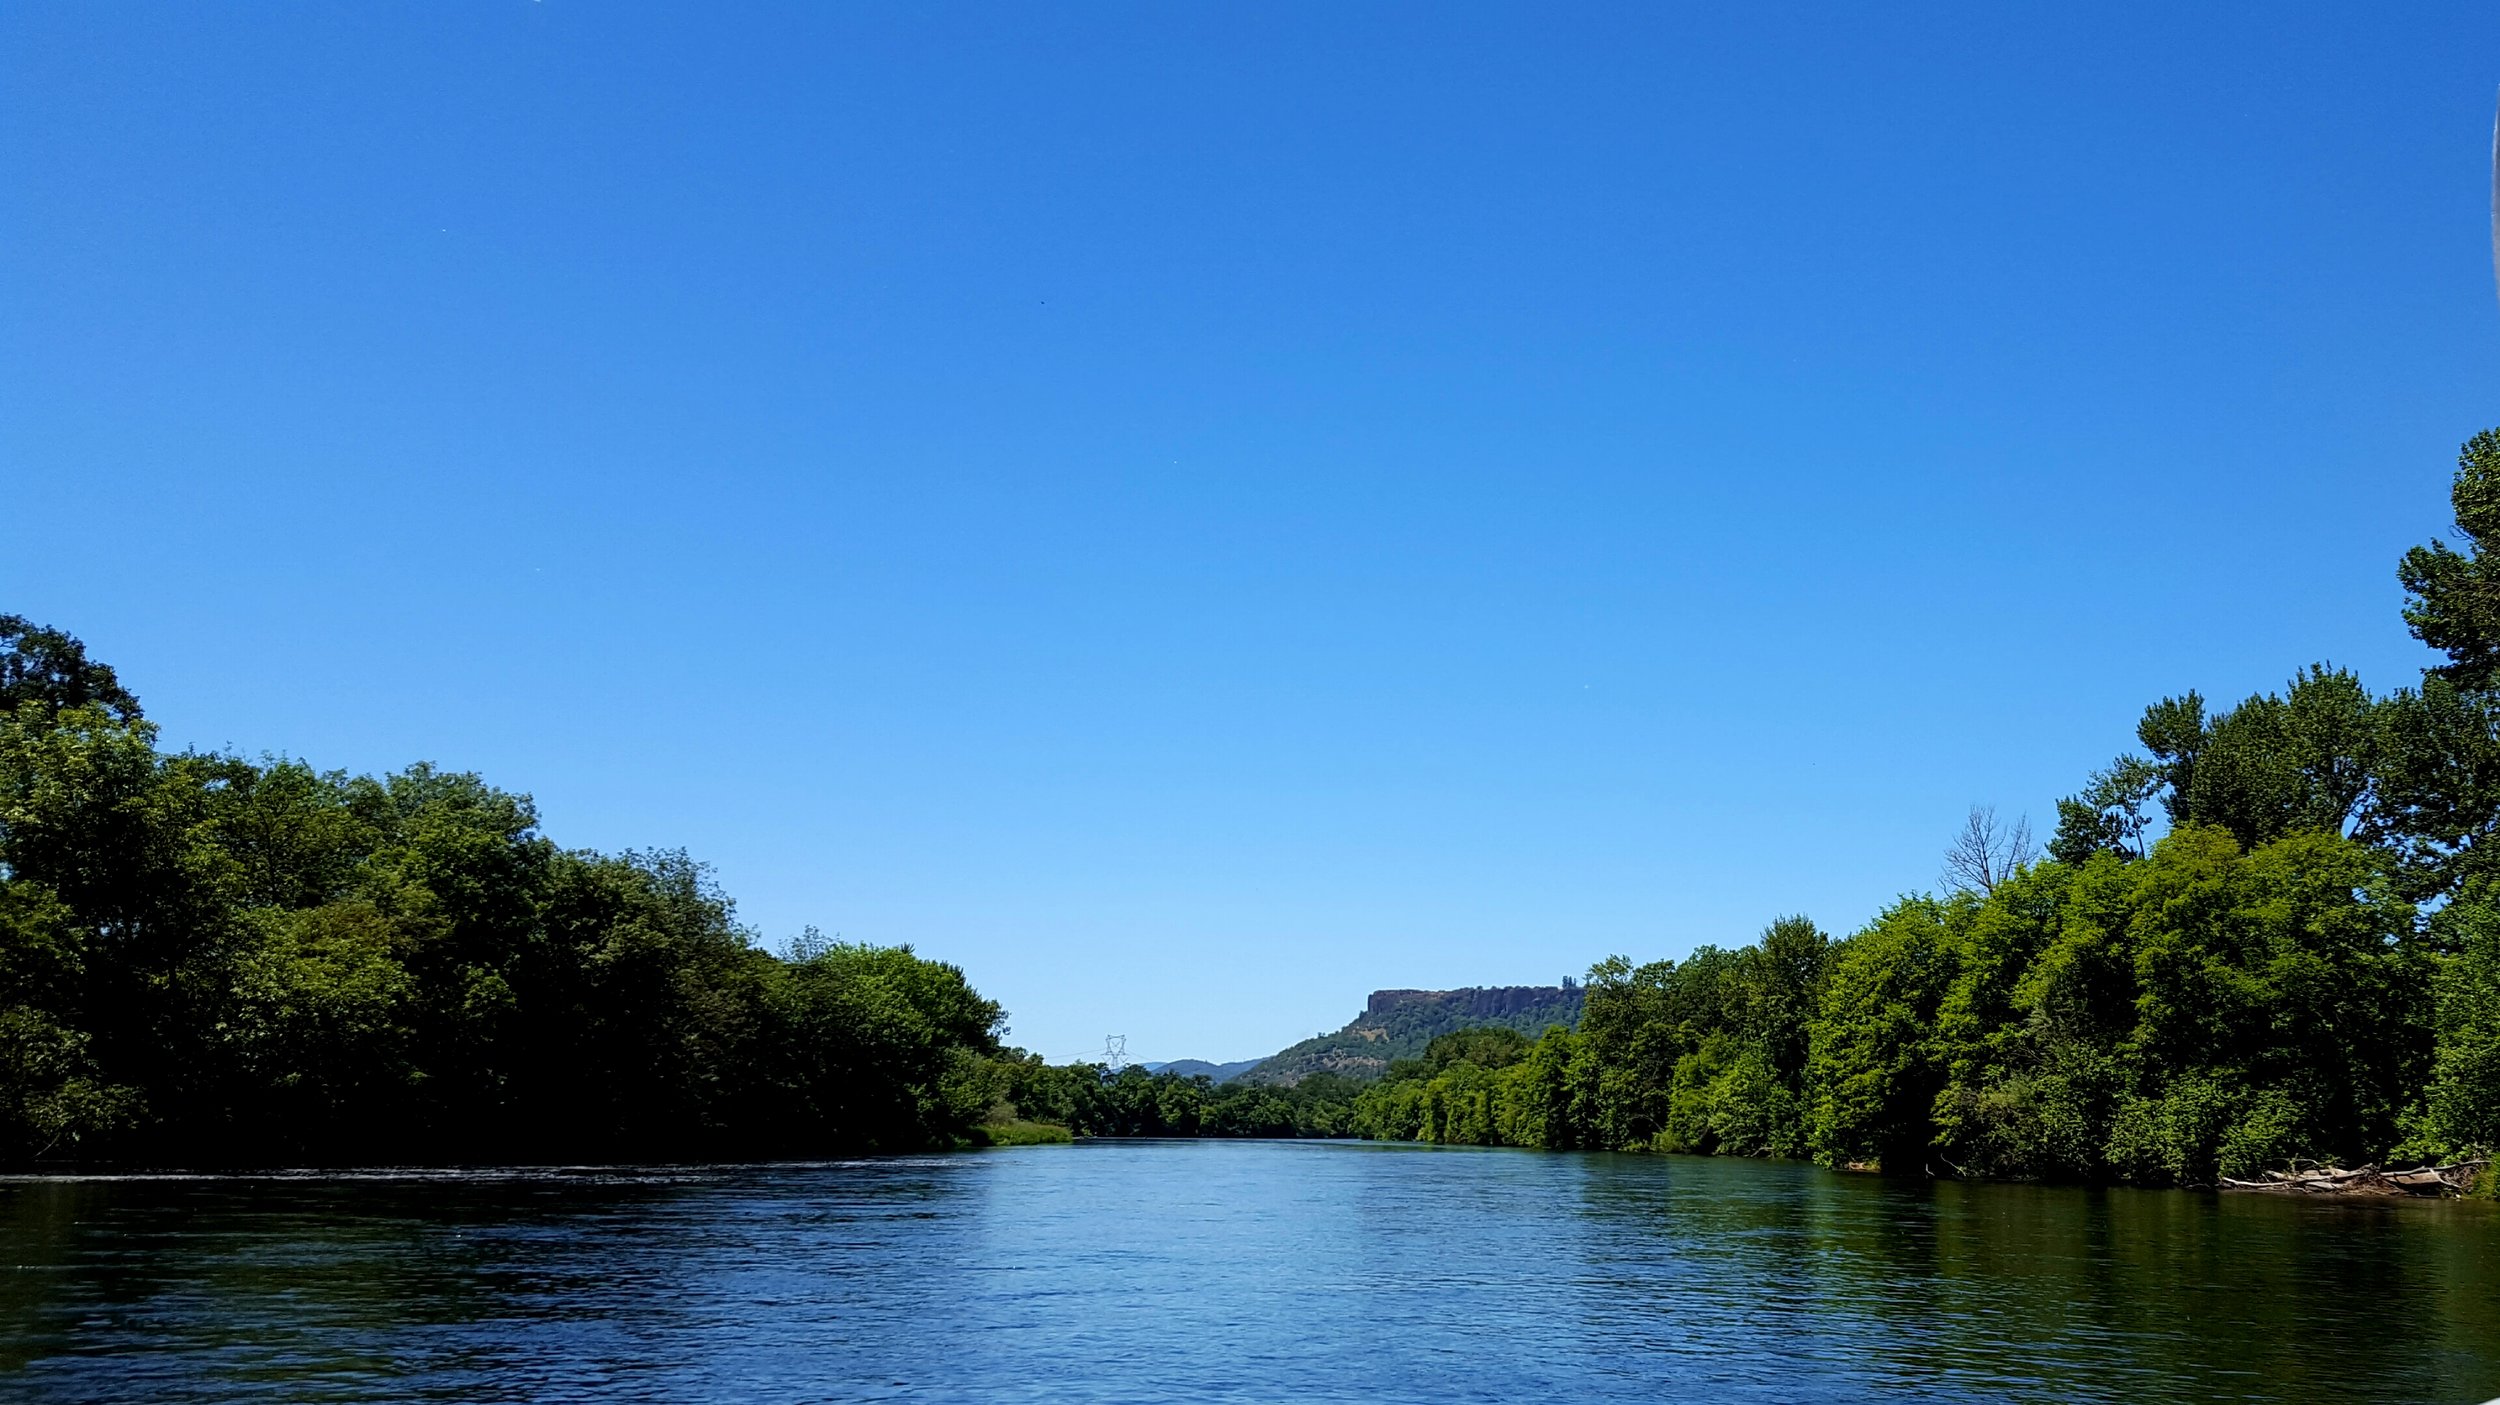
[1232, 1271]
[329, 1286]
[2071, 1293]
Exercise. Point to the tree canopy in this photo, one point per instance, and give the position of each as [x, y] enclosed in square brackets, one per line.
[2273, 932]
[206, 959]
[2270, 933]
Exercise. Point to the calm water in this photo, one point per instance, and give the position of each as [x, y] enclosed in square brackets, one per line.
[1161, 1271]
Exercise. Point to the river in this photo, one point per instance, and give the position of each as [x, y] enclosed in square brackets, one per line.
[1231, 1271]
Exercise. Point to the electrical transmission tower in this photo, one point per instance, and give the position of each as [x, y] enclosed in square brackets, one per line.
[1115, 1052]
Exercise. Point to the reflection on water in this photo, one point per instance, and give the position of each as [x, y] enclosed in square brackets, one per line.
[1232, 1271]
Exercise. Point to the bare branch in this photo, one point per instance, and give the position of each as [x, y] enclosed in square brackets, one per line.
[1987, 853]
[2020, 852]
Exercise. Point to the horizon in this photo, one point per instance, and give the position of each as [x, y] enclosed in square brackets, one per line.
[1195, 517]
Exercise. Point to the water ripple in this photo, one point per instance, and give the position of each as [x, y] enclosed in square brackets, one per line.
[1227, 1272]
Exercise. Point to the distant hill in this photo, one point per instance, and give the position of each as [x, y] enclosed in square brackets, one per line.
[1197, 1068]
[1397, 1024]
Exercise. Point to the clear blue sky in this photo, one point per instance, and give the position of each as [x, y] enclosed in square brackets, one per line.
[1197, 512]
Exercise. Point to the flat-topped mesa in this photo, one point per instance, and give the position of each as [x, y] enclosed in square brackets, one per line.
[1491, 1002]
[1400, 1024]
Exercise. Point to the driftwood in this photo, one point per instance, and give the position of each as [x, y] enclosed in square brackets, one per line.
[2456, 1178]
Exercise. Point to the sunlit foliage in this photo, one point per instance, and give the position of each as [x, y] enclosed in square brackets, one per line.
[2271, 934]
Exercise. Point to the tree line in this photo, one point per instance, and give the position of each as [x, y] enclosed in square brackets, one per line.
[2271, 933]
[206, 959]
[1092, 1100]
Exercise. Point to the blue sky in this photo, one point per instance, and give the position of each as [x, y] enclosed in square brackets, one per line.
[1194, 513]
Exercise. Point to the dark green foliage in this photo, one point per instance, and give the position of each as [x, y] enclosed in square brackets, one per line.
[1705, 1055]
[877, 1045]
[2206, 1010]
[52, 671]
[2455, 596]
[2437, 793]
[2253, 987]
[2309, 758]
[2437, 803]
[209, 960]
[1093, 1101]
[1492, 1046]
[2109, 816]
[2276, 764]
[2026, 1027]
[1877, 1065]
[2463, 1107]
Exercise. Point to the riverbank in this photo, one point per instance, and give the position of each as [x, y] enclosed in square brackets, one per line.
[2462, 1178]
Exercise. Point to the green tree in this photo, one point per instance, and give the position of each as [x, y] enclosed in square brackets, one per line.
[1874, 1071]
[2437, 809]
[2274, 765]
[2453, 597]
[208, 959]
[2109, 815]
[51, 670]
[2025, 1030]
[2291, 972]
[2463, 1111]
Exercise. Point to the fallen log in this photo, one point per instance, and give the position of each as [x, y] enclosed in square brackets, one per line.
[2455, 1178]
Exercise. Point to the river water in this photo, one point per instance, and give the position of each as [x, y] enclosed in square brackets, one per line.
[1232, 1271]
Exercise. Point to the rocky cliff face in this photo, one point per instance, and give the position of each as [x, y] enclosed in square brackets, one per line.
[1397, 1024]
[1481, 1003]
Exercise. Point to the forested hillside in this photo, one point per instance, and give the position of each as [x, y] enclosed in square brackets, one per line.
[211, 960]
[1200, 1068]
[1397, 1024]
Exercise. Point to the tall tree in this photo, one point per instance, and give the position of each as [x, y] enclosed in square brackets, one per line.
[2109, 816]
[2455, 595]
[2439, 786]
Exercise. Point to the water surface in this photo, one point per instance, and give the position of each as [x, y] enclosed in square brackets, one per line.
[1229, 1271]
